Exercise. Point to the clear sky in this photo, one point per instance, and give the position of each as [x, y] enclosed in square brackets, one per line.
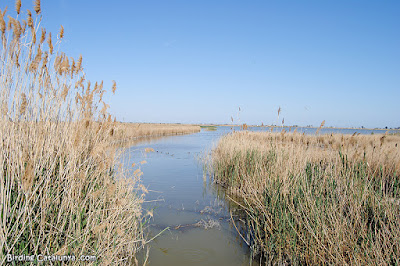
[198, 61]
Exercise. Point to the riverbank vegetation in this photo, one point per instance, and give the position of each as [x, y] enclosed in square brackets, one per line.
[124, 132]
[61, 191]
[315, 199]
[209, 128]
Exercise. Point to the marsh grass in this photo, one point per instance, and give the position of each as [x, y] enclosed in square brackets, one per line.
[317, 199]
[61, 191]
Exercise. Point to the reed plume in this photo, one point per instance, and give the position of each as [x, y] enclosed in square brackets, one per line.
[50, 44]
[2, 25]
[37, 7]
[114, 86]
[61, 34]
[29, 20]
[320, 127]
[18, 6]
[43, 37]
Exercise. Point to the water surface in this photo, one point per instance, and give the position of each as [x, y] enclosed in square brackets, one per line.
[183, 199]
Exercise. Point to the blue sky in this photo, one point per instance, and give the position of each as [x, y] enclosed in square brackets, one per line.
[199, 61]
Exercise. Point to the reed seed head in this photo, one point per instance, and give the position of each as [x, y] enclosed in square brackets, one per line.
[24, 103]
[50, 44]
[61, 34]
[2, 24]
[114, 86]
[43, 37]
[73, 67]
[30, 20]
[79, 64]
[37, 7]
[33, 35]
[65, 92]
[65, 65]
[16, 59]
[18, 6]
[16, 26]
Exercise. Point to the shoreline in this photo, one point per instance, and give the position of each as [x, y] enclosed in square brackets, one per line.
[355, 128]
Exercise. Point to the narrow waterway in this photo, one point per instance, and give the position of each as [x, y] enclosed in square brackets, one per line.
[191, 211]
[183, 199]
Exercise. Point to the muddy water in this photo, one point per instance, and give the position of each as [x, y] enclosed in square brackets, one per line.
[184, 201]
[190, 211]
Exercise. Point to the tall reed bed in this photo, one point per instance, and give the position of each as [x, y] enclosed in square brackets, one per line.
[132, 131]
[317, 199]
[61, 191]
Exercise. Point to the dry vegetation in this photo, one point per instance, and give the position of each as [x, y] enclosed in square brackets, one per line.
[126, 132]
[315, 199]
[61, 191]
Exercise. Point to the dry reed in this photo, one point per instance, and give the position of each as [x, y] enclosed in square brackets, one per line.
[61, 190]
[126, 132]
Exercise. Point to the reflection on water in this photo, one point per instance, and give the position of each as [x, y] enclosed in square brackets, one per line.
[184, 200]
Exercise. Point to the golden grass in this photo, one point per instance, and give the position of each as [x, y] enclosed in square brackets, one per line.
[61, 191]
[315, 199]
